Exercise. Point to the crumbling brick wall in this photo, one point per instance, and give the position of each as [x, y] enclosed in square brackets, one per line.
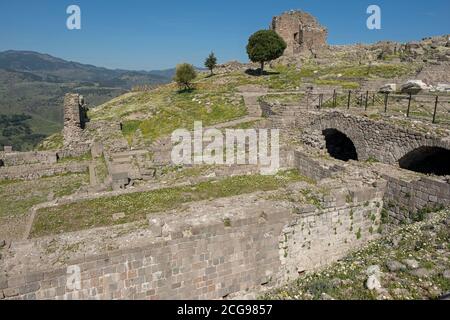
[300, 31]
[75, 118]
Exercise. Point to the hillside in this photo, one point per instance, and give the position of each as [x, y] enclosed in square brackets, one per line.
[32, 83]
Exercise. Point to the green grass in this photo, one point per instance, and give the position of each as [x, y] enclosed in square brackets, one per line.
[337, 83]
[284, 99]
[385, 71]
[19, 196]
[85, 157]
[160, 112]
[98, 212]
[53, 142]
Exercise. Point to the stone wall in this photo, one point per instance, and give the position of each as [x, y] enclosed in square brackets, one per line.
[314, 169]
[377, 139]
[406, 197]
[225, 248]
[26, 158]
[75, 118]
[300, 31]
[36, 171]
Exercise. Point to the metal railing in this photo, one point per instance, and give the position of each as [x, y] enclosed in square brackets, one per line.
[429, 107]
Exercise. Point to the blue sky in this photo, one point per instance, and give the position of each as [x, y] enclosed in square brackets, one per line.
[150, 34]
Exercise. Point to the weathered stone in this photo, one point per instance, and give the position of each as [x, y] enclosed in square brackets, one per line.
[326, 296]
[411, 263]
[118, 216]
[395, 266]
[373, 283]
[300, 31]
[446, 274]
[388, 88]
[11, 292]
[75, 118]
[414, 86]
[421, 273]
[373, 270]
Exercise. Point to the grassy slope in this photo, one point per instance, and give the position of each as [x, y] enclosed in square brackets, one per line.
[215, 99]
[159, 112]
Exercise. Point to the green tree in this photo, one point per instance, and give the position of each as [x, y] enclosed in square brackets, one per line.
[264, 46]
[184, 75]
[211, 62]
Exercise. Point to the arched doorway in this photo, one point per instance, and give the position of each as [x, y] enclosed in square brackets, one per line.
[339, 146]
[2, 164]
[427, 160]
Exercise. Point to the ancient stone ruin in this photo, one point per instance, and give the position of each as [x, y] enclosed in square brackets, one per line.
[75, 118]
[301, 31]
[361, 173]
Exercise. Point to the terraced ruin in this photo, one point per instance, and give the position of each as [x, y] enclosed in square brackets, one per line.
[361, 171]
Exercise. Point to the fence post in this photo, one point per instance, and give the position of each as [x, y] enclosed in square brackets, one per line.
[349, 97]
[367, 99]
[435, 109]
[386, 98]
[320, 100]
[373, 99]
[409, 105]
[334, 98]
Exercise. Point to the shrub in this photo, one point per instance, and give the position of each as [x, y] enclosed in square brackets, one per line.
[184, 75]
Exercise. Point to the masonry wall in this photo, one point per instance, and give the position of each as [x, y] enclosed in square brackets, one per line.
[300, 31]
[404, 198]
[26, 158]
[266, 246]
[377, 139]
[313, 169]
[36, 171]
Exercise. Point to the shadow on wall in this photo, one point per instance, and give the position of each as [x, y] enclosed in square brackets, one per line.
[339, 146]
[427, 160]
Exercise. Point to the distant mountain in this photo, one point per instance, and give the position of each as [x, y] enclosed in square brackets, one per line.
[34, 84]
[53, 69]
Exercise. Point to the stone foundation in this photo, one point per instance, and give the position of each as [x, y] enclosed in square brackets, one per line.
[406, 197]
[210, 251]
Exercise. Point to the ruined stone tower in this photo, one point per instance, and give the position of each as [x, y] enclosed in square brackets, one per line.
[300, 31]
[75, 118]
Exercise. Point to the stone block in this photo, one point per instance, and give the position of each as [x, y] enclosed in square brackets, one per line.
[11, 292]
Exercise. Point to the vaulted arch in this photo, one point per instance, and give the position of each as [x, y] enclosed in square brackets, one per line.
[427, 160]
[339, 145]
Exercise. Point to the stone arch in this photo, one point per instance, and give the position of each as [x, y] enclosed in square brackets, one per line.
[427, 160]
[346, 126]
[339, 145]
